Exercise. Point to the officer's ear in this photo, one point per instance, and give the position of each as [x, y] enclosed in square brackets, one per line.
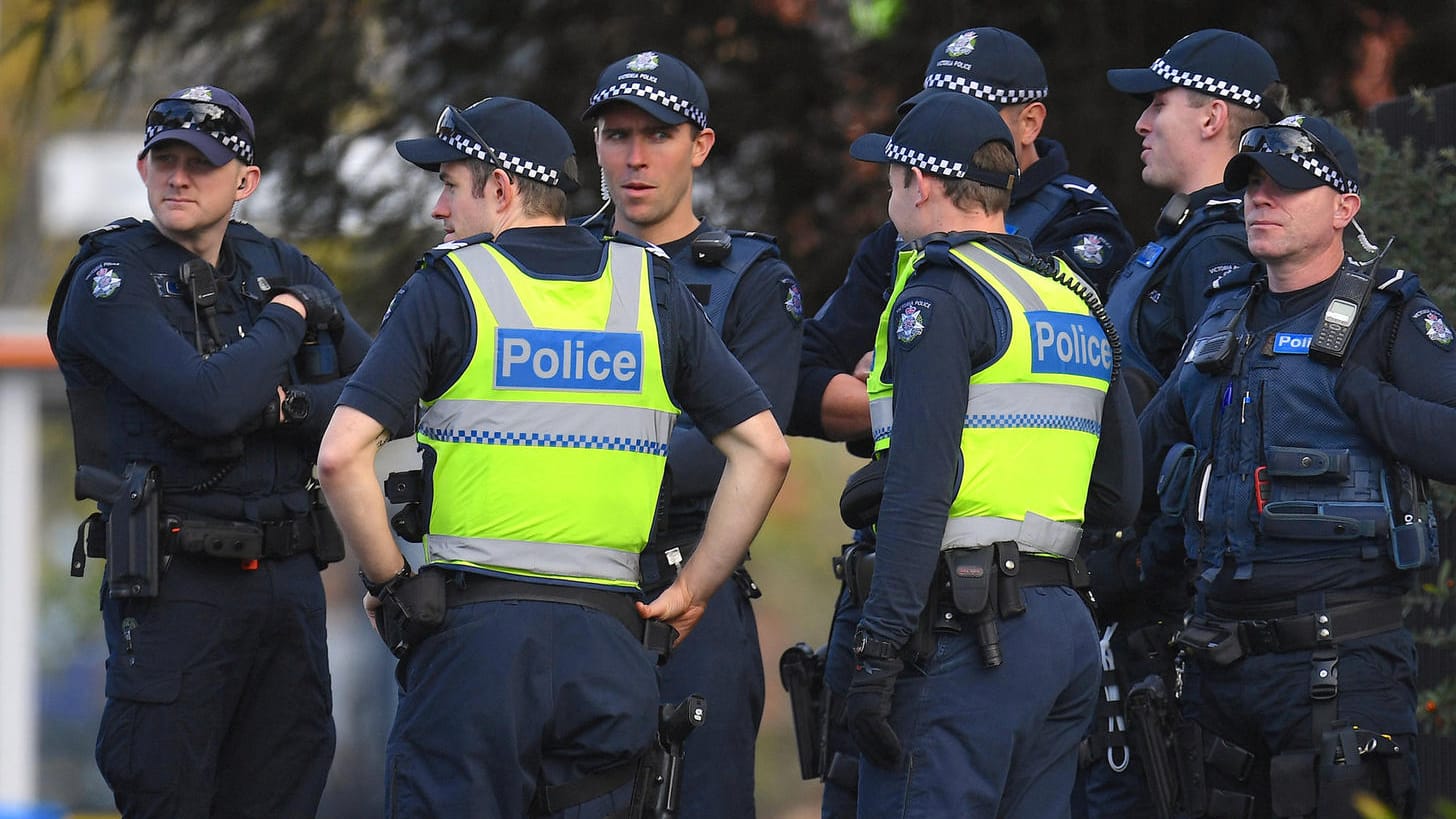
[1346, 207]
[703, 142]
[1029, 119]
[248, 182]
[1215, 118]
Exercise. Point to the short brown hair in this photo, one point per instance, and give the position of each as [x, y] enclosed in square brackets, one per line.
[994, 156]
[537, 198]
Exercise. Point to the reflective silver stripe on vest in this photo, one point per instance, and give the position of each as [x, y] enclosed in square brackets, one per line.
[555, 559]
[626, 262]
[531, 423]
[1003, 406]
[1037, 534]
[882, 417]
[1058, 406]
[1001, 270]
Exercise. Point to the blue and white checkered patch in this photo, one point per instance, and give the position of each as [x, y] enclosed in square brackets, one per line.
[1208, 85]
[508, 162]
[648, 91]
[238, 145]
[1325, 172]
[979, 90]
[553, 440]
[924, 161]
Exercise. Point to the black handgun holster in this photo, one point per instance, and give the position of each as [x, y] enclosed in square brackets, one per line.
[411, 611]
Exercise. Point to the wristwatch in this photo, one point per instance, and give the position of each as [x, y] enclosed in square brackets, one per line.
[871, 648]
[375, 589]
[296, 406]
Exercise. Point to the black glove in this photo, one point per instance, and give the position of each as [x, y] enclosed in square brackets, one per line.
[867, 708]
[320, 309]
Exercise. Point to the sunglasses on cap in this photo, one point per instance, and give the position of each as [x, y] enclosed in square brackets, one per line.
[1295, 143]
[456, 130]
[217, 121]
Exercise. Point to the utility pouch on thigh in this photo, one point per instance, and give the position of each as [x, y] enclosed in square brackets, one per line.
[1188, 764]
[859, 571]
[971, 573]
[1210, 642]
[1292, 789]
[328, 541]
[859, 503]
[411, 610]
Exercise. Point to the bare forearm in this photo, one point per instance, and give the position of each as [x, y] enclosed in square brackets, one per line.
[845, 408]
[346, 471]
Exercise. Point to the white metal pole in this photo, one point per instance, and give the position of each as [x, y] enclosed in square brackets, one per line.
[20, 398]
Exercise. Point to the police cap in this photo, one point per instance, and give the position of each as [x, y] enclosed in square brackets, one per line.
[941, 135]
[1219, 63]
[515, 135]
[660, 84]
[987, 63]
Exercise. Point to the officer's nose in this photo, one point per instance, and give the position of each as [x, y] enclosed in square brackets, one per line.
[636, 152]
[1144, 124]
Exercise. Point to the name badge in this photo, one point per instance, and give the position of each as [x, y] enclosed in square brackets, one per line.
[1069, 344]
[1292, 343]
[534, 359]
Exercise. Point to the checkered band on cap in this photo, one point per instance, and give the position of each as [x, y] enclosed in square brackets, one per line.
[1207, 84]
[1316, 166]
[508, 162]
[649, 91]
[995, 96]
[237, 144]
[924, 161]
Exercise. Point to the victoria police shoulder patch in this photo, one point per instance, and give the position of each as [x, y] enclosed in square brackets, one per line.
[1433, 324]
[911, 320]
[793, 300]
[105, 280]
[1090, 249]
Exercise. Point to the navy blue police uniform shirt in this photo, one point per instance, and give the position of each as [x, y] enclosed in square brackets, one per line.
[128, 324]
[1169, 311]
[1087, 230]
[1410, 416]
[427, 335]
[965, 328]
[758, 335]
[844, 328]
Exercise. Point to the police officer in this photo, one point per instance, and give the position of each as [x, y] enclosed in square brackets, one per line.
[202, 360]
[1205, 89]
[1296, 456]
[1200, 94]
[548, 366]
[650, 116]
[1051, 208]
[976, 658]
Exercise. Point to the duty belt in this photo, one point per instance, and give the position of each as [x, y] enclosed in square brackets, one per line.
[471, 587]
[236, 540]
[1300, 632]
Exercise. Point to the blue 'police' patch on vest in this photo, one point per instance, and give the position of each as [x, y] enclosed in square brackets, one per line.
[1069, 344]
[533, 359]
[1292, 343]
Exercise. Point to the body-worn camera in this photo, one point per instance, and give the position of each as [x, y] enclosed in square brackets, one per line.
[1214, 354]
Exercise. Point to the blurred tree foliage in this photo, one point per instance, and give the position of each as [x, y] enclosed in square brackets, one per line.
[792, 83]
